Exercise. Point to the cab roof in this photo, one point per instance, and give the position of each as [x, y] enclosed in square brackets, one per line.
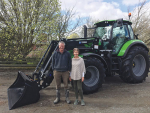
[109, 22]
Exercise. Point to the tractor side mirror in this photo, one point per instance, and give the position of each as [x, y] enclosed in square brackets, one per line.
[119, 22]
[136, 36]
[85, 31]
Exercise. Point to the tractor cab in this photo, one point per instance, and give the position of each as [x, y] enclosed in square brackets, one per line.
[114, 33]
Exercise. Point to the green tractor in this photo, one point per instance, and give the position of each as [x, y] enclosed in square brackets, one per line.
[113, 49]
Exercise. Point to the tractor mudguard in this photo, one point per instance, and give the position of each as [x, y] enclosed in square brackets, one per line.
[126, 47]
[97, 56]
[22, 92]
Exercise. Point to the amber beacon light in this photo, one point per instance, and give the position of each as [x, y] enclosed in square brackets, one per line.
[129, 15]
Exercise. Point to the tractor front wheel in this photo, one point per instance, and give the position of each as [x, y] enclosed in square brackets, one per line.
[94, 76]
[135, 65]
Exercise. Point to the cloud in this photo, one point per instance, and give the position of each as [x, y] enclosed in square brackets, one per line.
[131, 2]
[96, 9]
[144, 12]
[115, 4]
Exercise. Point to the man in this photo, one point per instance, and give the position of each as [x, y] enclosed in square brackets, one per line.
[61, 65]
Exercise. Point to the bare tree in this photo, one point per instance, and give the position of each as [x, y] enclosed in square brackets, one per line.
[66, 23]
[140, 21]
[89, 22]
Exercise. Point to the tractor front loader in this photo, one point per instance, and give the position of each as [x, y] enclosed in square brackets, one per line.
[25, 90]
[113, 49]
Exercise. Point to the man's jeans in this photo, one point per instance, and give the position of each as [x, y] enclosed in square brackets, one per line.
[57, 77]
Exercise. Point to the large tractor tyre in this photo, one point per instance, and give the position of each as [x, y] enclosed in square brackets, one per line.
[135, 65]
[94, 76]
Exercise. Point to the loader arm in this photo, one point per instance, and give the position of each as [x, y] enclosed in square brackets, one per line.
[43, 71]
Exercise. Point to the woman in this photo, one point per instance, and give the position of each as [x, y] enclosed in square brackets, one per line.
[77, 75]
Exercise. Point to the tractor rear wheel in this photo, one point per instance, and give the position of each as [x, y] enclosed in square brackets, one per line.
[135, 65]
[94, 76]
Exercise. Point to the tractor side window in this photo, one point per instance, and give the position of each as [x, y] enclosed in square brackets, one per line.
[119, 37]
[131, 32]
[120, 32]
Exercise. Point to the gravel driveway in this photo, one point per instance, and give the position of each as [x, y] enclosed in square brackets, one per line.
[114, 97]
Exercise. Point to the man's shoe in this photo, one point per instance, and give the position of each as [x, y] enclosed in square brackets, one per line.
[76, 102]
[57, 100]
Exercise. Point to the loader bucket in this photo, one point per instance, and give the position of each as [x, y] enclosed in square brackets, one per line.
[22, 92]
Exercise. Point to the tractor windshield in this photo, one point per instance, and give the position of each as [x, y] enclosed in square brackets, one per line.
[103, 32]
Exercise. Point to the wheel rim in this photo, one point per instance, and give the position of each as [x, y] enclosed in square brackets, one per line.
[139, 65]
[91, 76]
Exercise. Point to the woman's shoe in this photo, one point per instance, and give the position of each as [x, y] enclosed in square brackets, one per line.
[76, 102]
[82, 102]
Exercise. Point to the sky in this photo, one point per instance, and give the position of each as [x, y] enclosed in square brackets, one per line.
[101, 9]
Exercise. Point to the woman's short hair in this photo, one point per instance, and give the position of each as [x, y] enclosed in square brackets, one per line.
[76, 49]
